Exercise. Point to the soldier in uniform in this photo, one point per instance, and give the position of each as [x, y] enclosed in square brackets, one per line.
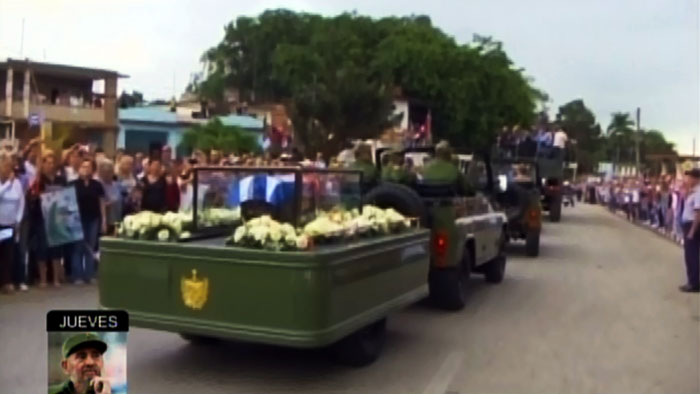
[443, 171]
[397, 171]
[82, 362]
[363, 162]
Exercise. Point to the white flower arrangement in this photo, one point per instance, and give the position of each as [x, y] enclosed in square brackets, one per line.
[148, 225]
[328, 227]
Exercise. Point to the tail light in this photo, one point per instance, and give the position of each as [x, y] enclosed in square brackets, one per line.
[440, 249]
[533, 218]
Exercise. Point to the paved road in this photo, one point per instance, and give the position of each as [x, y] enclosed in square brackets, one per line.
[597, 312]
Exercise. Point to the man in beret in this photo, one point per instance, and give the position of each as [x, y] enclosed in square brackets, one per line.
[83, 363]
[690, 222]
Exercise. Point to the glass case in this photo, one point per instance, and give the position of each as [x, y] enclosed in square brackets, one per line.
[289, 194]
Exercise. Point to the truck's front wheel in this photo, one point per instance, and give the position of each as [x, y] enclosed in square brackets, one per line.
[362, 347]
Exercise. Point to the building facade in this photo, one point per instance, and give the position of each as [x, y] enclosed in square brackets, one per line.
[59, 102]
[142, 129]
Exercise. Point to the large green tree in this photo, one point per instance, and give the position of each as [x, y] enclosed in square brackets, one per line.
[337, 75]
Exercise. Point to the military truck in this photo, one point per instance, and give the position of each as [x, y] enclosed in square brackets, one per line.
[335, 296]
[552, 178]
[467, 234]
[519, 195]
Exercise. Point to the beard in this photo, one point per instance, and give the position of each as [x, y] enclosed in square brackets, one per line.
[89, 373]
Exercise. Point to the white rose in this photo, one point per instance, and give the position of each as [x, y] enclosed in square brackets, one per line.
[239, 234]
[290, 239]
[302, 242]
[260, 233]
[163, 235]
[275, 234]
[288, 229]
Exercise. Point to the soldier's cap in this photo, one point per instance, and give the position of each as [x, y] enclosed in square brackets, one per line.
[695, 173]
[81, 341]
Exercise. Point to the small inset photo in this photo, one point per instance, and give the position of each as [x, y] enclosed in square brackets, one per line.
[87, 362]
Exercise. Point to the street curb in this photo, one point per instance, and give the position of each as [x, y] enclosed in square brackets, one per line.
[623, 217]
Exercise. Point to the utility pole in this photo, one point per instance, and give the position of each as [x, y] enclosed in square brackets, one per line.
[639, 135]
[21, 41]
[693, 147]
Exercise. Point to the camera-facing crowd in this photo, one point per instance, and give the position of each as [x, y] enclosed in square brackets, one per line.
[106, 190]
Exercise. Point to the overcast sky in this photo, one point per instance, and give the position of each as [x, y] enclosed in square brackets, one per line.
[616, 55]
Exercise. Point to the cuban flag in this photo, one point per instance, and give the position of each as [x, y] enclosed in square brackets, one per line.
[274, 189]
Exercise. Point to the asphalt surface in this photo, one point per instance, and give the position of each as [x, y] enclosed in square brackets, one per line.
[597, 312]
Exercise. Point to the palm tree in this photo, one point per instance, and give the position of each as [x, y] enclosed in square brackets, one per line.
[620, 132]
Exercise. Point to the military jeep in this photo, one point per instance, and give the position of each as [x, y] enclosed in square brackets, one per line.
[467, 234]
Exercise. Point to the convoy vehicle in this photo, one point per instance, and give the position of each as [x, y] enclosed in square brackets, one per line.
[520, 197]
[552, 178]
[335, 295]
[467, 234]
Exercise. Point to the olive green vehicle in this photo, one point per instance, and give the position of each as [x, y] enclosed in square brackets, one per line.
[336, 296]
[467, 234]
[519, 196]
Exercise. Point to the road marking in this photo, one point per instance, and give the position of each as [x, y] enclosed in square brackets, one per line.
[442, 378]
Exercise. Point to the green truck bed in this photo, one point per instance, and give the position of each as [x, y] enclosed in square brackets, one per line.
[298, 299]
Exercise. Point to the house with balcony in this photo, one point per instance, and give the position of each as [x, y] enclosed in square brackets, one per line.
[60, 102]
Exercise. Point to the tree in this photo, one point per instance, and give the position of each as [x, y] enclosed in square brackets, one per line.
[654, 142]
[127, 100]
[621, 136]
[580, 125]
[215, 135]
[337, 74]
[334, 96]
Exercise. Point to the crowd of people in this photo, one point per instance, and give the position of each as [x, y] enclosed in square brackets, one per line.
[545, 140]
[106, 188]
[656, 202]
[669, 204]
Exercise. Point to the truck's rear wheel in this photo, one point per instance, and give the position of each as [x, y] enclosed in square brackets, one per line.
[362, 347]
[532, 243]
[555, 211]
[448, 287]
[495, 270]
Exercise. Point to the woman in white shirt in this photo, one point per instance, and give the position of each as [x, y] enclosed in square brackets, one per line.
[11, 212]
